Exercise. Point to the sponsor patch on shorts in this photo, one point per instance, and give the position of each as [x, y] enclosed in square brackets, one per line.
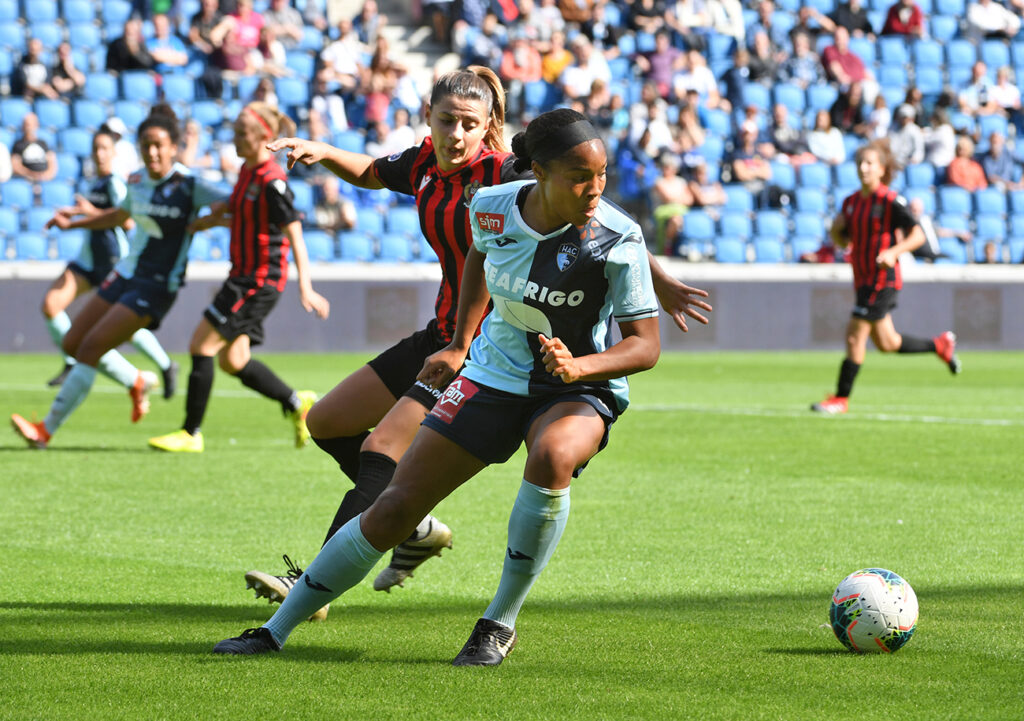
[455, 395]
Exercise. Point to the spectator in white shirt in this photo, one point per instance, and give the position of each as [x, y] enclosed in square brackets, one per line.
[989, 19]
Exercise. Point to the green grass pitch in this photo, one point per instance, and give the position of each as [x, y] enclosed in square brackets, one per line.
[693, 579]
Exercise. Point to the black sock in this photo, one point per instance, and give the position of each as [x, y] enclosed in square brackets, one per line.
[200, 382]
[264, 381]
[375, 472]
[917, 345]
[847, 374]
[345, 450]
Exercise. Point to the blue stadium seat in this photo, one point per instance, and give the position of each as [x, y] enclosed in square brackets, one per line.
[961, 53]
[812, 224]
[115, 12]
[990, 200]
[539, 96]
[894, 76]
[369, 221]
[36, 218]
[822, 6]
[301, 62]
[312, 39]
[645, 42]
[12, 36]
[718, 123]
[954, 199]
[783, 175]
[720, 47]
[53, 113]
[621, 67]
[989, 225]
[379, 199]
[178, 87]
[730, 250]
[13, 110]
[404, 219]
[31, 246]
[892, 50]
[1017, 53]
[208, 113]
[757, 95]
[1016, 246]
[926, 195]
[6, 65]
[735, 224]
[9, 11]
[920, 175]
[70, 242]
[79, 11]
[927, 53]
[864, 49]
[698, 226]
[929, 80]
[424, 253]
[953, 221]
[302, 197]
[821, 97]
[1017, 225]
[17, 193]
[138, 86]
[352, 140]
[292, 92]
[57, 193]
[801, 244]
[812, 200]
[41, 11]
[10, 221]
[771, 223]
[783, 21]
[132, 113]
[995, 53]
[627, 44]
[199, 248]
[815, 175]
[769, 250]
[977, 249]
[943, 27]
[738, 198]
[88, 113]
[790, 95]
[954, 251]
[1016, 201]
[712, 150]
[355, 246]
[988, 124]
[101, 86]
[395, 248]
[48, 32]
[319, 245]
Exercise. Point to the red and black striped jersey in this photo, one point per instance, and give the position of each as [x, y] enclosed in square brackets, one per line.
[261, 205]
[443, 203]
[871, 222]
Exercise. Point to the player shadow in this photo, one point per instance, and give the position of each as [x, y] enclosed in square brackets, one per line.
[77, 449]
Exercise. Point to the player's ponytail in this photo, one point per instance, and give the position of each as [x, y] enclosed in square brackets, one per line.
[276, 123]
[477, 83]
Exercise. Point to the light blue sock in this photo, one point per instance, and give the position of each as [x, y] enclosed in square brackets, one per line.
[76, 387]
[58, 326]
[117, 368]
[342, 563]
[534, 529]
[146, 343]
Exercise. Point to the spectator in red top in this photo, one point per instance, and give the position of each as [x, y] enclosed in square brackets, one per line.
[904, 18]
[965, 171]
[520, 64]
[844, 67]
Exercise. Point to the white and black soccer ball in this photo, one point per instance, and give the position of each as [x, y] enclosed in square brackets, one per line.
[873, 610]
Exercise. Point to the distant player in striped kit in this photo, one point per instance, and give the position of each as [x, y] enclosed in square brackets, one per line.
[877, 226]
[264, 226]
[560, 264]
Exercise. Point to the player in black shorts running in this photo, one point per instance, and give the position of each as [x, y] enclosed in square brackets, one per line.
[264, 224]
[877, 227]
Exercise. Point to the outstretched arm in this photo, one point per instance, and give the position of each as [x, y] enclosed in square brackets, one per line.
[354, 168]
[678, 299]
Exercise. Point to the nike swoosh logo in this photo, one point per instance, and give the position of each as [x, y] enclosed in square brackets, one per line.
[316, 586]
[519, 556]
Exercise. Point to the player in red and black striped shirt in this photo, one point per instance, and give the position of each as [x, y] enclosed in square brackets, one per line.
[877, 227]
[264, 226]
[466, 150]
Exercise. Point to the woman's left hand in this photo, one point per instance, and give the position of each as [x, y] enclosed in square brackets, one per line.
[887, 258]
[558, 360]
[313, 302]
[680, 300]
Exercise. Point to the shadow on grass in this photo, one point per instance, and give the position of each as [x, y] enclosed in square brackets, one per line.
[77, 449]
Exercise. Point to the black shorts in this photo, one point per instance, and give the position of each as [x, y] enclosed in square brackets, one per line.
[399, 365]
[873, 304]
[143, 297]
[239, 308]
[95, 276]
[492, 424]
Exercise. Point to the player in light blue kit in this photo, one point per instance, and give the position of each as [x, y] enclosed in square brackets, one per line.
[163, 201]
[560, 263]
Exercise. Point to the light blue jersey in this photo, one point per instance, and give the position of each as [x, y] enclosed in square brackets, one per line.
[568, 284]
[162, 210]
[104, 247]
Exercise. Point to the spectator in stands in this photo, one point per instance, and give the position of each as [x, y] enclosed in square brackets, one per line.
[940, 140]
[381, 80]
[129, 52]
[977, 98]
[737, 76]
[687, 133]
[126, 156]
[785, 139]
[844, 67]
[915, 99]
[965, 171]
[194, 152]
[931, 249]
[332, 212]
[31, 157]
[343, 58]
[557, 59]
[165, 46]
[597, 106]
[671, 198]
[577, 79]
[643, 16]
[707, 194]
[369, 23]
[989, 19]
[286, 22]
[1001, 169]
[31, 77]
[403, 133]
[520, 64]
[826, 141]
[581, 11]
[230, 57]
[265, 92]
[727, 19]
[696, 76]
[482, 46]
[906, 140]
[750, 167]
[765, 23]
[247, 24]
[313, 15]
[904, 18]
[764, 62]
[379, 141]
[847, 112]
[201, 26]
[808, 22]
[648, 122]
[851, 15]
[803, 66]
[1006, 95]
[661, 64]
[880, 120]
[65, 77]
[269, 57]
[603, 35]
[327, 102]
[439, 16]
[690, 21]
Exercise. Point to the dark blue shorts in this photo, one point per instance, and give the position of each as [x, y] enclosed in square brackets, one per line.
[492, 424]
[95, 276]
[399, 365]
[873, 304]
[142, 297]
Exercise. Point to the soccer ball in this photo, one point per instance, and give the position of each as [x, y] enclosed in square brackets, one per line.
[873, 610]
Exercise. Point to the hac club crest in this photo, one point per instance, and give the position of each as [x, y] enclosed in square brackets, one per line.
[567, 255]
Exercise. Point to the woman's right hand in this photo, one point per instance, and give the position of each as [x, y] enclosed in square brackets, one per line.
[60, 219]
[439, 368]
[307, 152]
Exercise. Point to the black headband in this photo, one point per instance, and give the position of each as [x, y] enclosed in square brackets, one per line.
[556, 142]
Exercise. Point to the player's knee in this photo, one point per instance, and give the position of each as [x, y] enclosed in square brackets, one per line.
[554, 460]
[317, 421]
[228, 364]
[391, 518]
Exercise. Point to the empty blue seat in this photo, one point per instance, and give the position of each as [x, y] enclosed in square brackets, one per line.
[1016, 201]
[790, 95]
[208, 113]
[738, 197]
[815, 175]
[302, 197]
[712, 150]
[718, 123]
[9, 11]
[953, 221]
[864, 49]
[892, 50]
[57, 193]
[929, 80]
[301, 62]
[132, 113]
[736, 224]
[84, 36]
[1017, 53]
[698, 226]
[292, 91]
[769, 250]
[70, 242]
[757, 95]
[1017, 225]
[395, 248]
[926, 195]
[954, 199]
[783, 175]
[48, 32]
[312, 39]
[645, 42]
[989, 225]
[101, 86]
[771, 223]
[846, 176]
[115, 12]
[1016, 247]
[138, 86]
[88, 113]
[16, 193]
[355, 246]
[369, 221]
[404, 219]
[990, 200]
[12, 36]
[995, 53]
[961, 53]
[621, 67]
[424, 253]
[812, 200]
[811, 224]
[954, 8]
[988, 124]
[943, 27]
[36, 218]
[31, 246]
[13, 110]
[927, 53]
[720, 47]
[76, 141]
[801, 244]
[319, 245]
[351, 140]
[821, 97]
[954, 251]
[895, 77]
[78, 11]
[730, 250]
[627, 44]
[178, 87]
[920, 175]
[10, 221]
[199, 248]
[53, 113]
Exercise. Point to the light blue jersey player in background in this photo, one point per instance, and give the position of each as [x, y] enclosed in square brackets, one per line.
[100, 251]
[163, 200]
[560, 264]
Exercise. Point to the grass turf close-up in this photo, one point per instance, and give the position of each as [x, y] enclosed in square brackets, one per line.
[693, 579]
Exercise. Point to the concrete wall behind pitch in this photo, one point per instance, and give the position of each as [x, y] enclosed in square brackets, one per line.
[756, 307]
